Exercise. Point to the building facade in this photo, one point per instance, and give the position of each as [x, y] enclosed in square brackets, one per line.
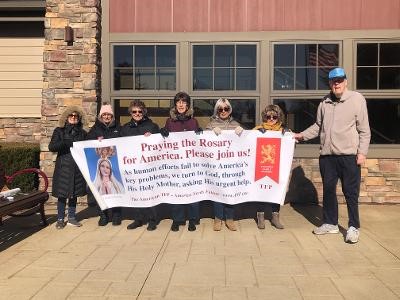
[21, 70]
[254, 52]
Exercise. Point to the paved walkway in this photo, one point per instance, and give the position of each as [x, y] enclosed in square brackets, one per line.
[94, 262]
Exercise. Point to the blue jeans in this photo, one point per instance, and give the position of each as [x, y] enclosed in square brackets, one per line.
[61, 204]
[223, 211]
[178, 211]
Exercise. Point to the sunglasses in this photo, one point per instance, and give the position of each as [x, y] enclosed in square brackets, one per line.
[136, 112]
[337, 80]
[226, 109]
[271, 117]
[73, 116]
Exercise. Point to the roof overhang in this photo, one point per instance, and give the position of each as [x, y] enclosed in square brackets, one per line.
[22, 4]
[22, 10]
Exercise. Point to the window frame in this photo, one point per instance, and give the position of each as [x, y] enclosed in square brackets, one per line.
[377, 150]
[224, 93]
[302, 150]
[183, 42]
[133, 92]
[294, 92]
[373, 92]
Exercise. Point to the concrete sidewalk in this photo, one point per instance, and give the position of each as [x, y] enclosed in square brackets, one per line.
[109, 262]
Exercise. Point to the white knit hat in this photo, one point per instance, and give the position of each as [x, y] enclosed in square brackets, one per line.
[106, 109]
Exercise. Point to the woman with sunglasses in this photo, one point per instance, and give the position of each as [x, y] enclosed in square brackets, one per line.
[222, 120]
[105, 127]
[141, 124]
[68, 182]
[273, 119]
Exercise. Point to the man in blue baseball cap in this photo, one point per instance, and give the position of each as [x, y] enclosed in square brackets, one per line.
[337, 81]
[343, 127]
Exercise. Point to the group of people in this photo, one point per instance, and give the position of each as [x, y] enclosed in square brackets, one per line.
[342, 124]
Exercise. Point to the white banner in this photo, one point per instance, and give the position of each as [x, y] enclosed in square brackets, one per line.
[185, 167]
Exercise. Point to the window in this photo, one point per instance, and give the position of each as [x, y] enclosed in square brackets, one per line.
[224, 67]
[384, 118]
[244, 110]
[303, 66]
[157, 109]
[144, 67]
[378, 69]
[302, 69]
[300, 114]
[378, 66]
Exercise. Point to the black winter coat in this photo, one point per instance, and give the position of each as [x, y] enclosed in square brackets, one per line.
[133, 128]
[107, 132]
[67, 179]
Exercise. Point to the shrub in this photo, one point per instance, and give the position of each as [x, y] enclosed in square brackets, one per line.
[18, 156]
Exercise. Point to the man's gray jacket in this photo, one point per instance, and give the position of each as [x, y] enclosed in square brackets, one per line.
[342, 125]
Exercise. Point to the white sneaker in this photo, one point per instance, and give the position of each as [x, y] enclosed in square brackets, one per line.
[352, 235]
[73, 222]
[326, 228]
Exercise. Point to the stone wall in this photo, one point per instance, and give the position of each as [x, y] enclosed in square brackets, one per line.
[27, 130]
[380, 182]
[71, 73]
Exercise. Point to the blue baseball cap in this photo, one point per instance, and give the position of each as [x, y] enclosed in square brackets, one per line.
[337, 73]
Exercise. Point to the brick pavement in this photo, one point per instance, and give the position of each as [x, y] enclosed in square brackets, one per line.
[109, 262]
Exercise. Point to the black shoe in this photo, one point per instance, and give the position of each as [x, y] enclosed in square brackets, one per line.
[152, 225]
[103, 221]
[175, 226]
[116, 220]
[192, 225]
[135, 224]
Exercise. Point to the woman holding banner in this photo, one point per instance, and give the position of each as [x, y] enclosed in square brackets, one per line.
[273, 119]
[141, 124]
[181, 119]
[68, 182]
[222, 120]
[105, 127]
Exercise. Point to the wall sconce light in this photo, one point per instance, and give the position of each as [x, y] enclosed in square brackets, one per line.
[69, 35]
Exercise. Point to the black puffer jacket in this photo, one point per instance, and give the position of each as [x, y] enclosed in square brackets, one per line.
[67, 179]
[139, 128]
[100, 129]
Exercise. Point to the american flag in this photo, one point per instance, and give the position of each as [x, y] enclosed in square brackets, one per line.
[327, 56]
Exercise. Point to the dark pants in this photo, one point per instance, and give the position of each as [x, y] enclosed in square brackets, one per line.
[223, 211]
[145, 214]
[261, 206]
[62, 203]
[116, 212]
[178, 211]
[345, 168]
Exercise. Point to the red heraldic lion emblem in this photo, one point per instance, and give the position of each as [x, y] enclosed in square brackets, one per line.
[267, 158]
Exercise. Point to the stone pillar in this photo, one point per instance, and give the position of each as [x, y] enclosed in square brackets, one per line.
[72, 72]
